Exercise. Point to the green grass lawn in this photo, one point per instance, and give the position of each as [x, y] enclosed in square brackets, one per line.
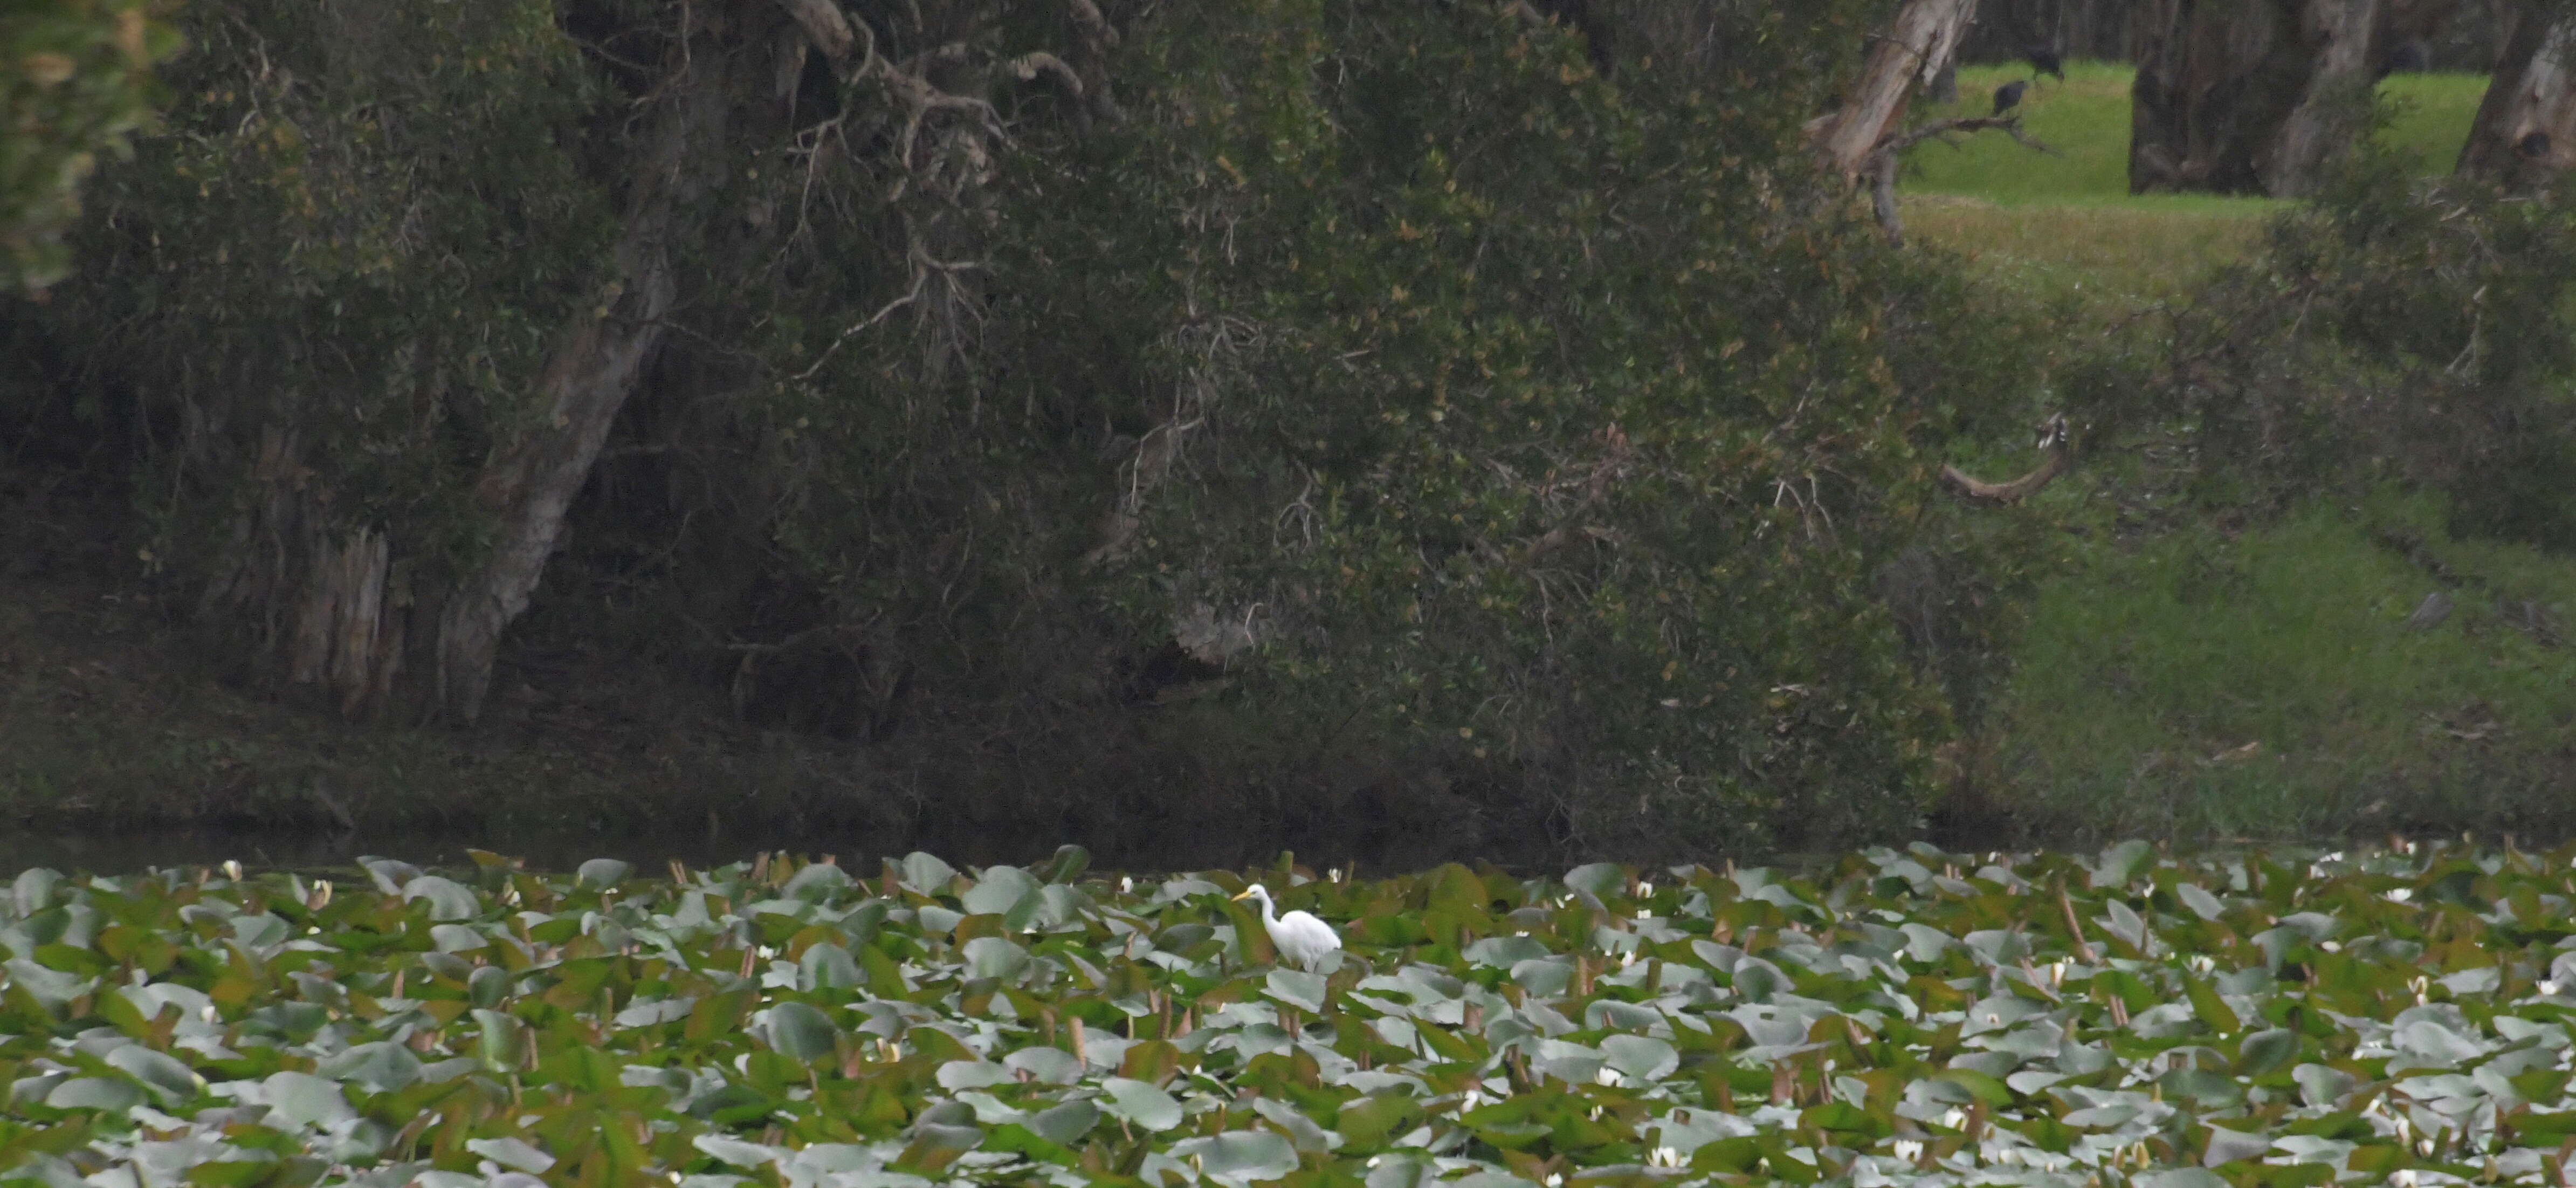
[2085, 120]
[2264, 683]
[2063, 225]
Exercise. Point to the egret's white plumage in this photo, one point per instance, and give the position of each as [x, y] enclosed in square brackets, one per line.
[1299, 936]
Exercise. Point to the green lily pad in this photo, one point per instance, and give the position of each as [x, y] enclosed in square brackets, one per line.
[1140, 1103]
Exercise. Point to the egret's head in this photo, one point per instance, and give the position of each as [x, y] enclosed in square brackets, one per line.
[1256, 891]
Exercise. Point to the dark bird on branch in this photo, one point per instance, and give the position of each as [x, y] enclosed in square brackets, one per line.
[2044, 60]
[2008, 96]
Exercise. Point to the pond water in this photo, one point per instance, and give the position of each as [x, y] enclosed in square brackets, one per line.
[123, 852]
[564, 850]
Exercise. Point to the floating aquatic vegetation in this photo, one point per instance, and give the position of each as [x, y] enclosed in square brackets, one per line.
[1901, 1016]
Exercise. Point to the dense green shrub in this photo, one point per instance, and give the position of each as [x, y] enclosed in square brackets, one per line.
[2393, 328]
[1535, 430]
[337, 269]
[1527, 449]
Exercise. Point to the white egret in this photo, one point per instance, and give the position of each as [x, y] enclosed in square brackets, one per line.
[1298, 936]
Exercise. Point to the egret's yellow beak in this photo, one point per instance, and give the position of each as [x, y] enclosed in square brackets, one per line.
[1245, 895]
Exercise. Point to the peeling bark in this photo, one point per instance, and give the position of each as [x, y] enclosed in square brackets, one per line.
[2525, 133]
[323, 612]
[349, 629]
[1922, 40]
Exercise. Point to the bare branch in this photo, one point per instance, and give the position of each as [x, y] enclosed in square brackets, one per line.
[920, 278]
[1030, 65]
[2053, 439]
[824, 25]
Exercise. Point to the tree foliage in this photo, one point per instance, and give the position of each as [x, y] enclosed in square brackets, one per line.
[1523, 449]
[2396, 328]
[328, 285]
[75, 81]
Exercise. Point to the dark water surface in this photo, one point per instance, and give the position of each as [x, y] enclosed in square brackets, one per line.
[123, 853]
[650, 851]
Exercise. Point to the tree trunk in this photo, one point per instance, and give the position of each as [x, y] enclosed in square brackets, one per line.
[1922, 39]
[323, 614]
[2216, 82]
[531, 481]
[2525, 133]
[2256, 96]
[2334, 111]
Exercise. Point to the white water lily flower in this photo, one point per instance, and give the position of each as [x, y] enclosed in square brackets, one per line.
[2399, 894]
[1954, 1119]
[1126, 884]
[233, 869]
[1664, 1157]
[1909, 1150]
[1645, 889]
[2548, 988]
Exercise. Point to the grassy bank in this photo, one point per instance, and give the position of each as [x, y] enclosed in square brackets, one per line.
[2062, 226]
[2213, 678]
[2267, 683]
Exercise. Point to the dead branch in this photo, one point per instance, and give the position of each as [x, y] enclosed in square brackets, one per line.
[1923, 36]
[1030, 65]
[825, 26]
[2053, 439]
[2009, 125]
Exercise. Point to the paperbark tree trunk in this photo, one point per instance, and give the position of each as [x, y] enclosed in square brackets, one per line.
[2525, 133]
[531, 481]
[1922, 39]
[2256, 96]
[323, 612]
